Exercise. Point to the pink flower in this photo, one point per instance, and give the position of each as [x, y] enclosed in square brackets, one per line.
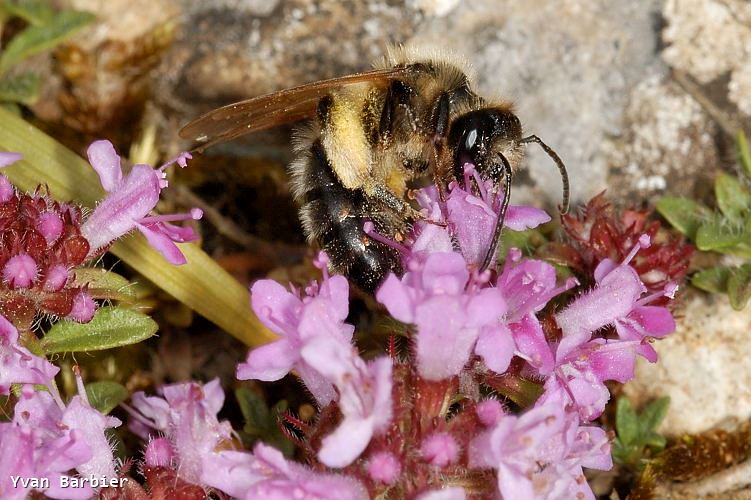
[266, 474]
[17, 364]
[127, 207]
[364, 397]
[540, 454]
[515, 447]
[299, 320]
[473, 219]
[527, 286]
[30, 453]
[52, 438]
[187, 416]
[80, 415]
[451, 312]
[616, 299]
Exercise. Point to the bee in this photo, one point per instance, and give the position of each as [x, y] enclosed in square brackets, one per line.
[370, 135]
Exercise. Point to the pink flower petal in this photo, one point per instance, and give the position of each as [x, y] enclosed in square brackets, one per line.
[7, 158]
[268, 362]
[396, 297]
[655, 321]
[443, 344]
[445, 273]
[346, 443]
[496, 347]
[162, 243]
[106, 162]
[521, 218]
[275, 306]
[530, 341]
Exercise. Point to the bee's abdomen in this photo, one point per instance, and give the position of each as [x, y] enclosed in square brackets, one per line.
[334, 216]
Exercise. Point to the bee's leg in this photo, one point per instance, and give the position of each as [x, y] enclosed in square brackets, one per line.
[397, 96]
[490, 255]
[404, 209]
[439, 132]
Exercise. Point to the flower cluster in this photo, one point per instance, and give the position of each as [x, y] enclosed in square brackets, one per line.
[49, 439]
[44, 241]
[419, 426]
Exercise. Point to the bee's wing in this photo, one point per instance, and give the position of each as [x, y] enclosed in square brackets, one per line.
[271, 110]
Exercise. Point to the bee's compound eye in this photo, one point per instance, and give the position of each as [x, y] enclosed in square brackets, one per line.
[469, 136]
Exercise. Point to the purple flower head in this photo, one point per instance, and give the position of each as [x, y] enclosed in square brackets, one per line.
[299, 319]
[187, 416]
[473, 219]
[617, 299]
[266, 474]
[17, 364]
[129, 202]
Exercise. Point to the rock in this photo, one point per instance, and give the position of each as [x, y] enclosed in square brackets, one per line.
[668, 147]
[709, 39]
[703, 367]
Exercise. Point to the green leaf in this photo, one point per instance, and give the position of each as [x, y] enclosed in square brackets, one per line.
[652, 415]
[111, 327]
[105, 284]
[713, 280]
[36, 39]
[255, 412]
[732, 198]
[23, 88]
[35, 12]
[744, 154]
[626, 423]
[105, 395]
[654, 440]
[262, 422]
[739, 286]
[201, 284]
[684, 214]
[717, 235]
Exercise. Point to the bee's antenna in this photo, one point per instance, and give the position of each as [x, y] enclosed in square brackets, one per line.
[507, 173]
[563, 208]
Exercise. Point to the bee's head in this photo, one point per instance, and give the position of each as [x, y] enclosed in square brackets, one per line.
[477, 137]
[491, 140]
